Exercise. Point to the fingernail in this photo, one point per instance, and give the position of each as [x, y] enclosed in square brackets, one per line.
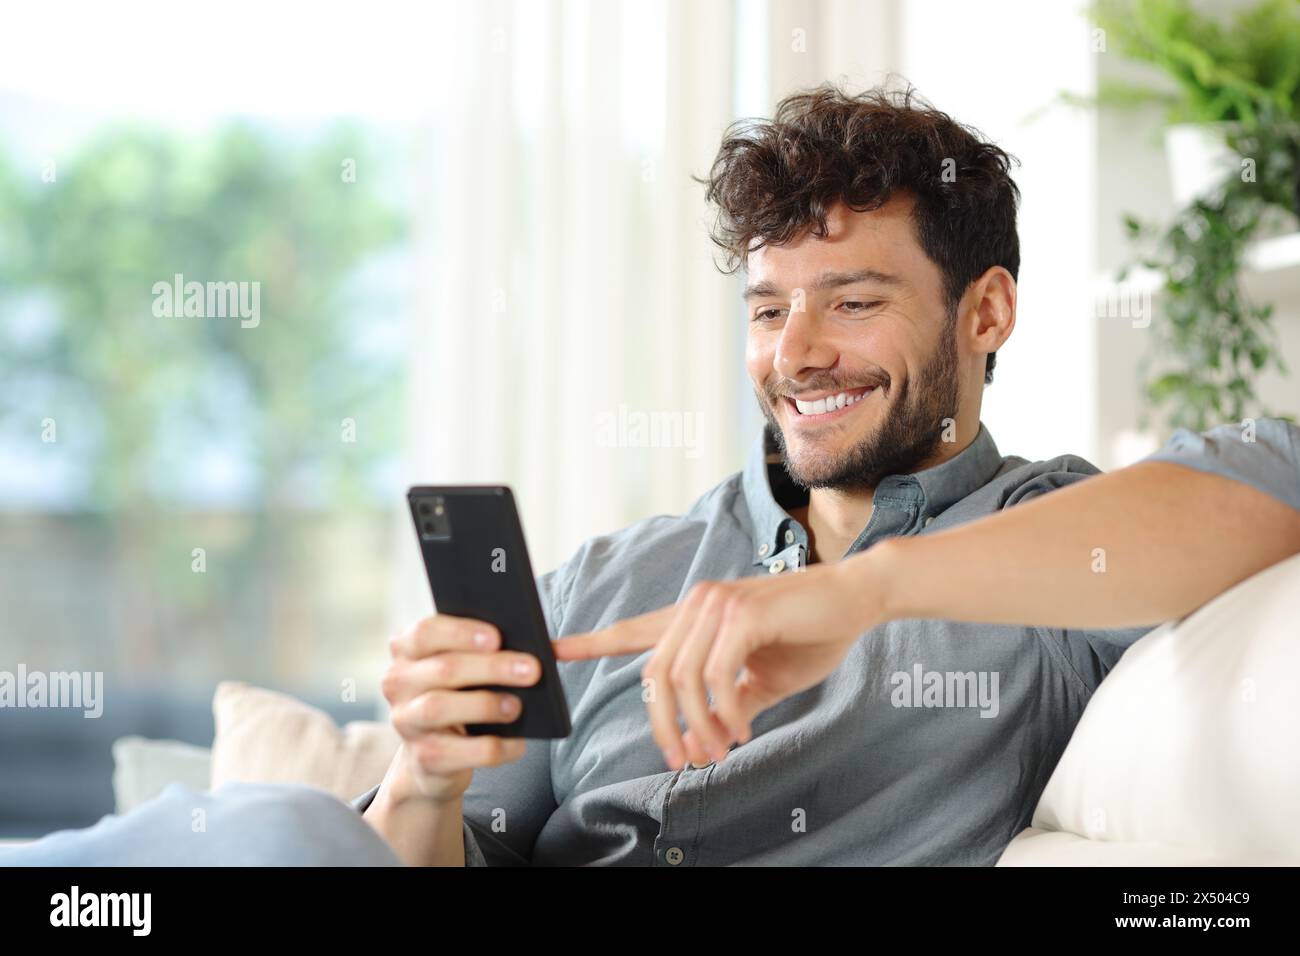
[523, 668]
[482, 639]
[508, 705]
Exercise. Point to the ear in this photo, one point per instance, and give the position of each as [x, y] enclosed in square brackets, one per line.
[987, 312]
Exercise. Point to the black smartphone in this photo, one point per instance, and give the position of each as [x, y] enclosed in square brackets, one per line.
[478, 567]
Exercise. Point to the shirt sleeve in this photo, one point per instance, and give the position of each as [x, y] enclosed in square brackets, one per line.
[506, 806]
[1263, 453]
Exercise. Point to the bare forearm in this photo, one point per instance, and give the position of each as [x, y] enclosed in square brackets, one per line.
[421, 833]
[1134, 547]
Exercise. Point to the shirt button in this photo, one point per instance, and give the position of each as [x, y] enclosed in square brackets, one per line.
[762, 550]
[674, 855]
[776, 567]
[789, 537]
[928, 519]
[702, 766]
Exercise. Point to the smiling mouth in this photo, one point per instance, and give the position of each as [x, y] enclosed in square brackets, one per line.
[826, 406]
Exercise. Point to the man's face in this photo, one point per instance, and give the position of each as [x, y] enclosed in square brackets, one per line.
[858, 380]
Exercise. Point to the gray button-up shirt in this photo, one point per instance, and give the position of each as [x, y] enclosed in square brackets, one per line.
[929, 744]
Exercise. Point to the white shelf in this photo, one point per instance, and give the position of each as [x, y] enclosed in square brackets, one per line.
[1268, 257]
[1274, 255]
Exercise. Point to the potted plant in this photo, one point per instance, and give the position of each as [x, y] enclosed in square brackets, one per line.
[1223, 77]
[1233, 143]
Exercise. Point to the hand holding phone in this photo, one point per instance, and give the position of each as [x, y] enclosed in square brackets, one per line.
[473, 547]
[468, 683]
[433, 688]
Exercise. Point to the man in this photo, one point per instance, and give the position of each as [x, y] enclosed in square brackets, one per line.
[879, 290]
[796, 617]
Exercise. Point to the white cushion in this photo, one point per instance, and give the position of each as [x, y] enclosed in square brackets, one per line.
[1189, 752]
[1035, 847]
[143, 767]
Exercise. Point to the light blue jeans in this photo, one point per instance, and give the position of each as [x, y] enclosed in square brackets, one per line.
[238, 824]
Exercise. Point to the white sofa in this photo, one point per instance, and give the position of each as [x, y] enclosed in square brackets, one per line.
[1189, 752]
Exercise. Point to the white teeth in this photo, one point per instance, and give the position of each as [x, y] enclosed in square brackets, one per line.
[829, 404]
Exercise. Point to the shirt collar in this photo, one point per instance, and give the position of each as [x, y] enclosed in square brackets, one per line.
[769, 490]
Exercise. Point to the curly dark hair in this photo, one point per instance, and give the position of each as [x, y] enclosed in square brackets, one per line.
[774, 179]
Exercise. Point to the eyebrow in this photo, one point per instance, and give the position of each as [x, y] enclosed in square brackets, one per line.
[827, 280]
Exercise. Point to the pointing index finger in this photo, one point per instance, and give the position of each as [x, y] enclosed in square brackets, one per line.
[629, 636]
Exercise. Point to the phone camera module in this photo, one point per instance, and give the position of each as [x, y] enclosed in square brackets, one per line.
[432, 520]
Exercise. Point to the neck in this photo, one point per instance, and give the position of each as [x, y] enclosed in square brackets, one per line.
[835, 517]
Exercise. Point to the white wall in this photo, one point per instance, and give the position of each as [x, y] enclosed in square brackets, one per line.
[992, 65]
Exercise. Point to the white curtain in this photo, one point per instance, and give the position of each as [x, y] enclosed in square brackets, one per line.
[568, 291]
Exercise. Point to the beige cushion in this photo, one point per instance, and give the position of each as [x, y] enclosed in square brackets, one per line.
[1187, 753]
[268, 737]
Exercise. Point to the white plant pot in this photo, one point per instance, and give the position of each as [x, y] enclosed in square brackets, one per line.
[1199, 160]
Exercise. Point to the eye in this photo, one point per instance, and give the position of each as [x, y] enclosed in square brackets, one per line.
[768, 315]
[854, 307]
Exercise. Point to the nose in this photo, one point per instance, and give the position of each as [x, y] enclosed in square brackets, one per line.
[801, 349]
